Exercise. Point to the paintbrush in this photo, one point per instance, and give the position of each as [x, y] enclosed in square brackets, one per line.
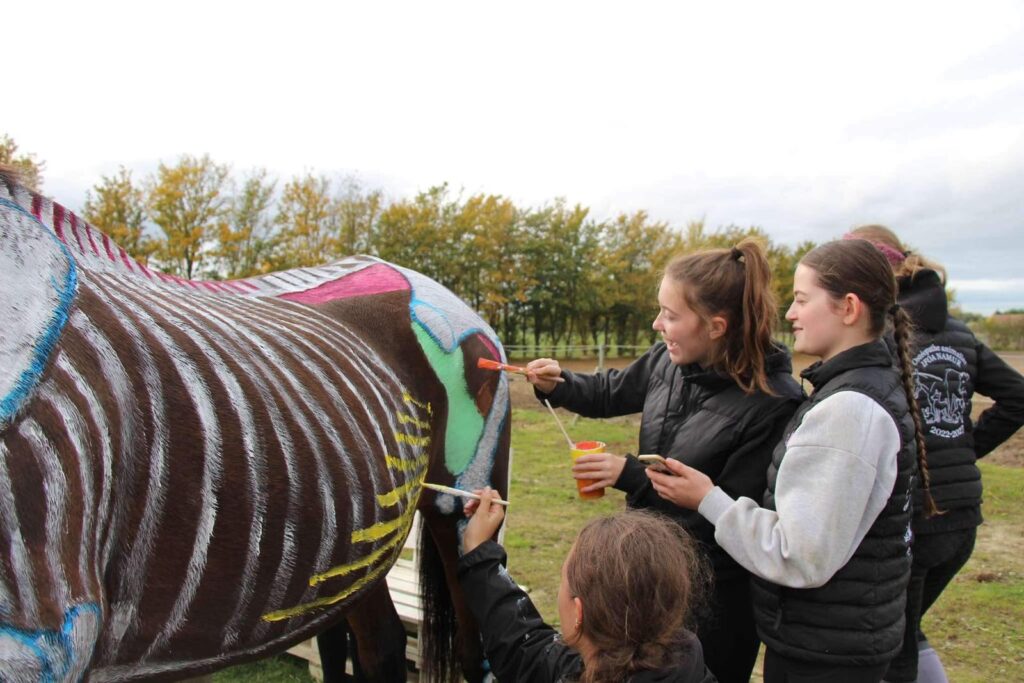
[459, 492]
[488, 364]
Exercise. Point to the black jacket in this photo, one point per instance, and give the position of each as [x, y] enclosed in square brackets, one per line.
[857, 617]
[699, 417]
[521, 647]
[951, 365]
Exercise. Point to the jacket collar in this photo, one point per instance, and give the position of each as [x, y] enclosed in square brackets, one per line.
[924, 298]
[873, 354]
[778, 361]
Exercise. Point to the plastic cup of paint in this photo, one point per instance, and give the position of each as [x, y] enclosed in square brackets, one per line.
[587, 448]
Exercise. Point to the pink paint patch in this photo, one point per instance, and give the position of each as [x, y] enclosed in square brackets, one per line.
[491, 348]
[377, 279]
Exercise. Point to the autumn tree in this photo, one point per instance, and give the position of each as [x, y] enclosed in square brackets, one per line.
[421, 233]
[190, 203]
[29, 169]
[246, 240]
[357, 210]
[117, 206]
[307, 223]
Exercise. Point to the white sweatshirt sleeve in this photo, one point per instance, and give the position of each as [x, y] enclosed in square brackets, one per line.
[837, 474]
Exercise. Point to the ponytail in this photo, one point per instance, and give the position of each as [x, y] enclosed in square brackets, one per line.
[902, 328]
[736, 284]
[759, 313]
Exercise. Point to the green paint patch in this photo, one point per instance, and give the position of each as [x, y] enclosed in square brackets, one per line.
[465, 425]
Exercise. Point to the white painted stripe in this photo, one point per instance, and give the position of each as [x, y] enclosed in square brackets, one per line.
[274, 369]
[23, 585]
[215, 350]
[201, 398]
[99, 418]
[55, 491]
[78, 434]
[114, 374]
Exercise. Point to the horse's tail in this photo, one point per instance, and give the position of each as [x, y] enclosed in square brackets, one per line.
[439, 628]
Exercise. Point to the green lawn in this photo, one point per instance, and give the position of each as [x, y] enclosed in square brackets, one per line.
[976, 625]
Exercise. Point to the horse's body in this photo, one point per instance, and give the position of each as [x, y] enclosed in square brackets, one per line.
[197, 474]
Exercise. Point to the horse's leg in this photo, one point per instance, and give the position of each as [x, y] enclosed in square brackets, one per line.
[332, 643]
[380, 637]
[468, 649]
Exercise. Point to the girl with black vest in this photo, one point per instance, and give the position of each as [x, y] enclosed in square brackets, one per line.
[829, 545]
[950, 365]
[716, 394]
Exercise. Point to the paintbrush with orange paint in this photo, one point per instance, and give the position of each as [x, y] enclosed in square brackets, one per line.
[488, 364]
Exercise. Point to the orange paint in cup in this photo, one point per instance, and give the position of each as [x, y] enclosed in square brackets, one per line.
[587, 448]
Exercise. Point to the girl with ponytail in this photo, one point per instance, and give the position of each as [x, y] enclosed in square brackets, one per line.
[950, 365]
[828, 544]
[715, 394]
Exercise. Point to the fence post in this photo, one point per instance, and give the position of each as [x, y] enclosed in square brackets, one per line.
[600, 357]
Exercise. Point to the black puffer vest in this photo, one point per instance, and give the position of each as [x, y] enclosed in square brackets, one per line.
[856, 618]
[946, 366]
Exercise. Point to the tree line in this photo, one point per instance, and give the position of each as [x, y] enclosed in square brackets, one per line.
[549, 274]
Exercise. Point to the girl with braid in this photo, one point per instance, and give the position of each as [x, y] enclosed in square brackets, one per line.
[951, 365]
[829, 543]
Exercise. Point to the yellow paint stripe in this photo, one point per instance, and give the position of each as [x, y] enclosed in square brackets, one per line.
[343, 569]
[407, 397]
[406, 465]
[394, 496]
[377, 531]
[409, 419]
[394, 546]
[412, 439]
[299, 610]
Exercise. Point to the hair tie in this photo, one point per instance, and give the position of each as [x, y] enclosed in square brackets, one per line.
[894, 309]
[894, 256]
[736, 254]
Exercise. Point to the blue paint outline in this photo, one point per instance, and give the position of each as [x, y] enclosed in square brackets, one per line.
[45, 345]
[61, 638]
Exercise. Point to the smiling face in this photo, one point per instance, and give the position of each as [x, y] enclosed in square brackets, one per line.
[684, 332]
[820, 327]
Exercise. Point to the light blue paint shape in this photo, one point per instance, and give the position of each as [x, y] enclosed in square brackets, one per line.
[43, 346]
[53, 649]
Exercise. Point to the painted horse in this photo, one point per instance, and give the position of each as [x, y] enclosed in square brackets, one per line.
[197, 474]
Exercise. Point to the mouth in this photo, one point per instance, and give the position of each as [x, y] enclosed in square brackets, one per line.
[672, 346]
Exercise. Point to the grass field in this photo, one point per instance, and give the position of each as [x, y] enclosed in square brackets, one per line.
[975, 626]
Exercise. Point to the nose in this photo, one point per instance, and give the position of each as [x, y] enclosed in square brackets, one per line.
[791, 312]
[656, 325]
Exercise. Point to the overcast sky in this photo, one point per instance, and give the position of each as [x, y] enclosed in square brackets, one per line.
[801, 118]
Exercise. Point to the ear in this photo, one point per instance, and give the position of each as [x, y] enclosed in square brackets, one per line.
[717, 326]
[577, 606]
[852, 309]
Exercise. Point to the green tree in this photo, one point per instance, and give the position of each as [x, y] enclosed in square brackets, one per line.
[29, 169]
[117, 206]
[246, 240]
[190, 203]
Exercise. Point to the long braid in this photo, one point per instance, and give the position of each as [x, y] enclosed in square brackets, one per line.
[902, 327]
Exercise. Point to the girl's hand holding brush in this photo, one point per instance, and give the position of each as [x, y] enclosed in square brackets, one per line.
[544, 373]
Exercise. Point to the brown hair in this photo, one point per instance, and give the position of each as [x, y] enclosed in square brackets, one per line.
[640, 576]
[734, 283]
[911, 264]
[856, 266]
